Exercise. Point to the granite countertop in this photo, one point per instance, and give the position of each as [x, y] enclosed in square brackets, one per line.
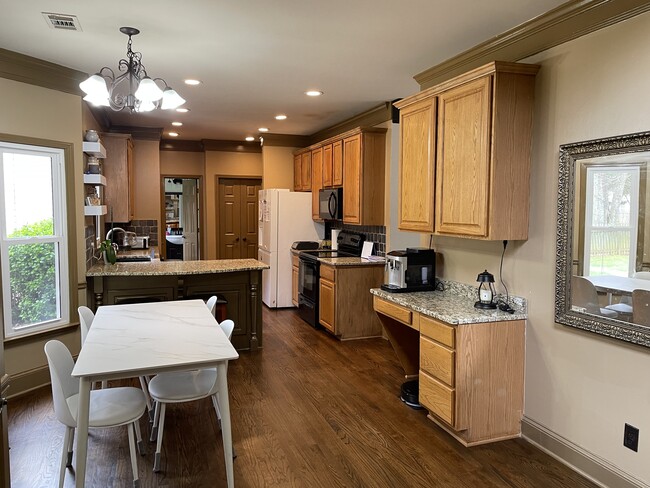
[157, 267]
[454, 305]
[350, 262]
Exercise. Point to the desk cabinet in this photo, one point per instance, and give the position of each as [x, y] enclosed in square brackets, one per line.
[471, 376]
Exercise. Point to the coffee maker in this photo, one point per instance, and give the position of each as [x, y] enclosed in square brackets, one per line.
[411, 270]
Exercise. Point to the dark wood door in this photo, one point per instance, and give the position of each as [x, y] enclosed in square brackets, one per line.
[238, 219]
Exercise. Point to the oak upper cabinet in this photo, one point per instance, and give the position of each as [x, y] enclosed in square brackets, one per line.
[297, 172]
[316, 181]
[480, 154]
[333, 164]
[118, 170]
[302, 171]
[417, 136]
[363, 176]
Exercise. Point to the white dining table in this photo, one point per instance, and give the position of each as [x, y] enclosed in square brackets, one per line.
[143, 339]
[618, 284]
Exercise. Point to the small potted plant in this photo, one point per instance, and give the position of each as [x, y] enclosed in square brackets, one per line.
[108, 251]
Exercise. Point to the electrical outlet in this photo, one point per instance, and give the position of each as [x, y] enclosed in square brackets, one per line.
[631, 437]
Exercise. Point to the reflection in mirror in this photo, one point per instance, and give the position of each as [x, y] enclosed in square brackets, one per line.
[603, 247]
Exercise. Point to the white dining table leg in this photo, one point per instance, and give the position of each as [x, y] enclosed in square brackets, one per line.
[226, 431]
[82, 431]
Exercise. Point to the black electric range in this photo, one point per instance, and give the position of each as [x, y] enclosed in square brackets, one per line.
[350, 244]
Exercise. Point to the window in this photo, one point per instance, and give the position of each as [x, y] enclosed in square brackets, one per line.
[611, 220]
[33, 242]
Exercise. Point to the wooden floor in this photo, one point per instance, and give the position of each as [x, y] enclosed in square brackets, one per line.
[308, 411]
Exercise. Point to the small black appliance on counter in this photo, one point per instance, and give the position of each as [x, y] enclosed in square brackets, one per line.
[410, 270]
[305, 245]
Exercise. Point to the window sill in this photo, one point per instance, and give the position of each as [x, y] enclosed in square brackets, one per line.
[40, 333]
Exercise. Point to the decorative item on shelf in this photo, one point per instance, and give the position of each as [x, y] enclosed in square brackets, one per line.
[486, 294]
[93, 166]
[118, 94]
[91, 136]
[93, 200]
[109, 251]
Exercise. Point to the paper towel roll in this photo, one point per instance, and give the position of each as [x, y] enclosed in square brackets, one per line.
[335, 239]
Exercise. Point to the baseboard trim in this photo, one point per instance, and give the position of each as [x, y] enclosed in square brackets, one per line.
[593, 467]
[27, 381]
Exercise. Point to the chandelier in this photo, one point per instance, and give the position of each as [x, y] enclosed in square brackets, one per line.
[133, 89]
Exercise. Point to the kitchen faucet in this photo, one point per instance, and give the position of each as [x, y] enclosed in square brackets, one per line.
[109, 234]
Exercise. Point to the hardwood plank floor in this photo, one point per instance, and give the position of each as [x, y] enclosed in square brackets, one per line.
[307, 411]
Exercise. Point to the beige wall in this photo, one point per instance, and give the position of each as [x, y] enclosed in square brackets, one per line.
[37, 112]
[277, 167]
[146, 171]
[220, 163]
[182, 163]
[580, 386]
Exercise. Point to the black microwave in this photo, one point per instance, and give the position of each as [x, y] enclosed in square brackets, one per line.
[330, 204]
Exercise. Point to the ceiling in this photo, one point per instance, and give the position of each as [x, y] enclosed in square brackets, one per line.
[256, 58]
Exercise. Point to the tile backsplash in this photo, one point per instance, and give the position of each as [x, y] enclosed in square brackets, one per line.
[140, 227]
[374, 233]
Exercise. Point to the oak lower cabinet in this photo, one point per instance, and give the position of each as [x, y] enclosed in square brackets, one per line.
[467, 143]
[345, 306]
[364, 152]
[119, 195]
[295, 271]
[471, 376]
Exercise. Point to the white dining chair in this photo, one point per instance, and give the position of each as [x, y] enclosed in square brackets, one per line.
[110, 407]
[642, 275]
[86, 317]
[181, 387]
[584, 294]
[212, 304]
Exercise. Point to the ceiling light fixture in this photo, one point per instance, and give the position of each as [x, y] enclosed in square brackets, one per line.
[192, 82]
[173, 134]
[250, 138]
[313, 93]
[263, 129]
[177, 124]
[183, 110]
[281, 117]
[148, 95]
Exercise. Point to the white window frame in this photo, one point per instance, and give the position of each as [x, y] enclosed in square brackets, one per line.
[60, 239]
[633, 228]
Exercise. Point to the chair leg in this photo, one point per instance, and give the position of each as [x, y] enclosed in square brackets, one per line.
[64, 455]
[144, 384]
[70, 448]
[138, 437]
[130, 428]
[215, 403]
[104, 384]
[161, 428]
[154, 428]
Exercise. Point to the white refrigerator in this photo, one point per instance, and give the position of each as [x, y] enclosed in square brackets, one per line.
[284, 217]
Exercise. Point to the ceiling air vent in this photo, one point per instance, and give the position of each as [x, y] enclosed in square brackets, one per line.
[62, 21]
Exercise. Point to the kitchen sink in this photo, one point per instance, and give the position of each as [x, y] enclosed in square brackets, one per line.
[178, 240]
[132, 259]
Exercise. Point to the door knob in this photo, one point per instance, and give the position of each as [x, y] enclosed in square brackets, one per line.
[236, 239]
[244, 239]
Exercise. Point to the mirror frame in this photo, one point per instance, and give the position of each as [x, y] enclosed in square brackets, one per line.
[570, 154]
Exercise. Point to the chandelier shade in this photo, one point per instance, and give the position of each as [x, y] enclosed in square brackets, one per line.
[117, 92]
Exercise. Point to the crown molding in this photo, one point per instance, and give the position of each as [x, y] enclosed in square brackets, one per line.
[284, 140]
[26, 69]
[231, 146]
[181, 145]
[140, 133]
[562, 24]
[377, 115]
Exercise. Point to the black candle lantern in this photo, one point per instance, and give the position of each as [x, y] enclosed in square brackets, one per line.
[486, 294]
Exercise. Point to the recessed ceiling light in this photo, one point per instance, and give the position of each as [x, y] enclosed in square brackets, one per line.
[177, 124]
[280, 117]
[250, 138]
[263, 129]
[183, 110]
[313, 93]
[172, 134]
[192, 82]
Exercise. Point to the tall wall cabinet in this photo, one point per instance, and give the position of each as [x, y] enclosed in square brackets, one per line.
[118, 170]
[465, 149]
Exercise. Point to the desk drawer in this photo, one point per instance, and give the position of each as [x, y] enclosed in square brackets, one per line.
[438, 398]
[327, 273]
[438, 331]
[397, 312]
[437, 360]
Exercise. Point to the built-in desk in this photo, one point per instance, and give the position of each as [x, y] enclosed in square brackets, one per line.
[469, 362]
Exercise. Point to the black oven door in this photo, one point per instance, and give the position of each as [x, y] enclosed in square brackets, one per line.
[308, 279]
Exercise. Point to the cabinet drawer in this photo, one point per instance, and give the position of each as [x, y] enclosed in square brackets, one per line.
[397, 312]
[295, 260]
[327, 273]
[444, 334]
[437, 360]
[438, 398]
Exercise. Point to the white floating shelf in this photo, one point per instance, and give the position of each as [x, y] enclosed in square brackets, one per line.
[94, 179]
[94, 149]
[95, 210]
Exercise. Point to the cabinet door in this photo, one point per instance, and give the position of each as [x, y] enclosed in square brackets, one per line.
[463, 159]
[416, 166]
[118, 166]
[327, 305]
[294, 285]
[337, 163]
[316, 181]
[297, 172]
[305, 172]
[327, 166]
[352, 179]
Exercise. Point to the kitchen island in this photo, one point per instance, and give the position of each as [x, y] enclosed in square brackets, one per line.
[237, 283]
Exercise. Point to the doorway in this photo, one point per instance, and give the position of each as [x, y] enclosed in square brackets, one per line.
[181, 218]
[237, 217]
